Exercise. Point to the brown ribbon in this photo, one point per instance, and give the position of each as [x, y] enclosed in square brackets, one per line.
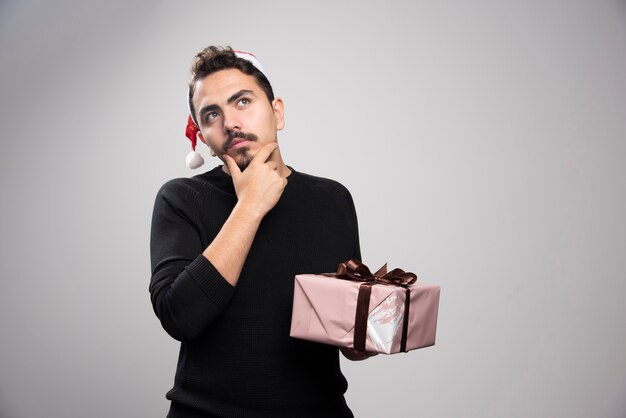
[356, 271]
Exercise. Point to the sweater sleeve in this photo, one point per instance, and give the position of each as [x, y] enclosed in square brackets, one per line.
[186, 290]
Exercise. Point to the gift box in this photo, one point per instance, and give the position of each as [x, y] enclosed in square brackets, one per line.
[384, 312]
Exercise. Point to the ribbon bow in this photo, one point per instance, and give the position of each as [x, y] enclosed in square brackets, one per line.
[356, 271]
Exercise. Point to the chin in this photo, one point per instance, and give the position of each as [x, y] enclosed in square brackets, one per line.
[243, 160]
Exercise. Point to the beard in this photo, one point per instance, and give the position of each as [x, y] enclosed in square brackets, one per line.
[243, 158]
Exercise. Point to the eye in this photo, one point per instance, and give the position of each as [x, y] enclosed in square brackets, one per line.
[210, 117]
[243, 101]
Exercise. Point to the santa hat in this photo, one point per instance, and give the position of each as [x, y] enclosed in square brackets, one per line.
[195, 160]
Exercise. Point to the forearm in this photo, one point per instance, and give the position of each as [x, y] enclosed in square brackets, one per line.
[229, 249]
[187, 291]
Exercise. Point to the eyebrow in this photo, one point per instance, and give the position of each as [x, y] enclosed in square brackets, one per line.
[230, 100]
[238, 95]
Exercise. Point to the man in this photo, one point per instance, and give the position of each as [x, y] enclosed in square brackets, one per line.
[225, 247]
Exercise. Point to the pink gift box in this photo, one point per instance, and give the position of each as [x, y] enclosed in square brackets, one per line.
[324, 311]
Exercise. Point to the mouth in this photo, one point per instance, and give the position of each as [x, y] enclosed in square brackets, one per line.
[238, 140]
[238, 143]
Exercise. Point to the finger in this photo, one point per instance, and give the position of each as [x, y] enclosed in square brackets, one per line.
[272, 164]
[265, 152]
[232, 166]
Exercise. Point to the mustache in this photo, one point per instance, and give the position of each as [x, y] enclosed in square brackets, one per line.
[238, 134]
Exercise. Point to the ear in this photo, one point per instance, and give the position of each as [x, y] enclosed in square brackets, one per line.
[279, 113]
[200, 137]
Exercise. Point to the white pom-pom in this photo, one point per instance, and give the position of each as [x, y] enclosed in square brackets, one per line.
[194, 160]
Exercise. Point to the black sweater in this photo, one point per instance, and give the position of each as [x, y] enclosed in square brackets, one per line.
[236, 356]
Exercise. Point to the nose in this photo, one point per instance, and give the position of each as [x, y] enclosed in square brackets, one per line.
[231, 121]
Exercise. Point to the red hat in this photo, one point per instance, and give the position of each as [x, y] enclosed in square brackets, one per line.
[194, 160]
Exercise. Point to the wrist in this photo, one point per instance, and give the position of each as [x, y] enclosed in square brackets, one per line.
[249, 211]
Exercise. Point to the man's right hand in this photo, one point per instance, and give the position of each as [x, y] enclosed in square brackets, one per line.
[260, 185]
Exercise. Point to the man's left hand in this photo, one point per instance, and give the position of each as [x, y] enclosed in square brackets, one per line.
[355, 355]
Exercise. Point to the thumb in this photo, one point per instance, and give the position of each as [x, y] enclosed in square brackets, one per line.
[233, 168]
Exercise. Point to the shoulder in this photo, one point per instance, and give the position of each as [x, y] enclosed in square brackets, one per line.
[176, 188]
[179, 193]
[324, 184]
[194, 192]
[326, 193]
[190, 186]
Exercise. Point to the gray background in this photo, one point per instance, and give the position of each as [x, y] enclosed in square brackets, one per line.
[483, 143]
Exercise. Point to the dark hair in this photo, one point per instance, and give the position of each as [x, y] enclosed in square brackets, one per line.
[212, 59]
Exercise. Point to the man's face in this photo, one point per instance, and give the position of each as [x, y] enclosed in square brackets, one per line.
[235, 116]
